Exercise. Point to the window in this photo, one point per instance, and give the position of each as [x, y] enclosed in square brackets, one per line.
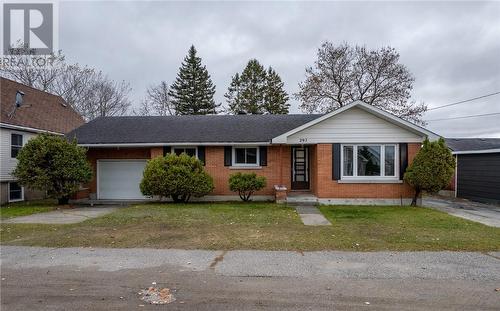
[16, 192]
[369, 161]
[16, 143]
[245, 156]
[190, 151]
[348, 161]
[390, 161]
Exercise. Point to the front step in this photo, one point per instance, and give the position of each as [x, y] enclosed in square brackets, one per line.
[302, 199]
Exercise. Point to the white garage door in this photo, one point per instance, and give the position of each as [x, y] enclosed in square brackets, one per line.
[120, 179]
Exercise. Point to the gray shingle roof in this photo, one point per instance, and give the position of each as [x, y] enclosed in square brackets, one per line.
[470, 144]
[187, 129]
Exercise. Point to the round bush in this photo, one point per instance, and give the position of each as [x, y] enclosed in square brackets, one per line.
[180, 177]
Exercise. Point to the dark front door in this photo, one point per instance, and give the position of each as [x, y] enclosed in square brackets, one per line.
[300, 168]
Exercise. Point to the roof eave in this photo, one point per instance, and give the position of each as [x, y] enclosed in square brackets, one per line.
[111, 145]
[496, 150]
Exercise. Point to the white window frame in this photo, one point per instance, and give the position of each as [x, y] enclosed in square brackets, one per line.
[382, 162]
[172, 149]
[233, 157]
[11, 145]
[22, 192]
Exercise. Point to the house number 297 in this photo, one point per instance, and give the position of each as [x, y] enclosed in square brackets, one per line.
[302, 140]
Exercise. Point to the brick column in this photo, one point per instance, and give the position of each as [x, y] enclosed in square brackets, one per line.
[156, 152]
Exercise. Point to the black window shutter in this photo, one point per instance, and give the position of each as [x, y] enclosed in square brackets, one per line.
[335, 161]
[166, 149]
[263, 155]
[201, 154]
[227, 156]
[403, 159]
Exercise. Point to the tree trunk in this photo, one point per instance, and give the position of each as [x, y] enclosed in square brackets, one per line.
[176, 198]
[63, 200]
[415, 198]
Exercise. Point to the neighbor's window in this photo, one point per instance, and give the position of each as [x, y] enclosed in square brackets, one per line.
[190, 151]
[16, 143]
[245, 156]
[15, 192]
[369, 161]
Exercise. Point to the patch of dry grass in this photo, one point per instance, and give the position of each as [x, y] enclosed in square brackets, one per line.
[262, 226]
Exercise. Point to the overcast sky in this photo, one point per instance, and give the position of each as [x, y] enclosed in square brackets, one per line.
[452, 48]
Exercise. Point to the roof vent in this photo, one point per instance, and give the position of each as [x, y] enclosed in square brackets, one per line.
[19, 102]
[19, 98]
[64, 104]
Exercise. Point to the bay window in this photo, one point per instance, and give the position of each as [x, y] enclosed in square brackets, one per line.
[369, 161]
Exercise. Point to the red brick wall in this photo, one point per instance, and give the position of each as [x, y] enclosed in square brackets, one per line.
[156, 152]
[277, 171]
[276, 165]
[313, 168]
[325, 187]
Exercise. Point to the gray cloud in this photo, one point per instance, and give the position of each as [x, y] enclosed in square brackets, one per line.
[451, 47]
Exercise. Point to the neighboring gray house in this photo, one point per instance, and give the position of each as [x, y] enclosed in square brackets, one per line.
[477, 175]
[24, 113]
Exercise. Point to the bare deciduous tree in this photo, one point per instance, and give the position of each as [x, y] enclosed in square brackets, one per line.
[343, 74]
[88, 91]
[157, 102]
[108, 98]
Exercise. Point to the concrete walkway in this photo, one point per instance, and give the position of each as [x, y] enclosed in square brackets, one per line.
[311, 216]
[62, 216]
[483, 213]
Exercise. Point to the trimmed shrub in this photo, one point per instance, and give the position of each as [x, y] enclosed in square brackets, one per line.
[50, 163]
[246, 184]
[180, 177]
[432, 168]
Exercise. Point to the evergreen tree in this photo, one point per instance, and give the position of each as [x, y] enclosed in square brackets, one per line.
[253, 85]
[233, 95]
[431, 169]
[256, 91]
[275, 97]
[193, 90]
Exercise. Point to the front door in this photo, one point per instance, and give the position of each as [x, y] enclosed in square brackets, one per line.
[300, 168]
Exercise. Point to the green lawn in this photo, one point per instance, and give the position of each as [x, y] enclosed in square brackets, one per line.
[26, 208]
[262, 226]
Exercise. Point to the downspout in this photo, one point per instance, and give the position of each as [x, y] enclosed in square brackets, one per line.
[456, 174]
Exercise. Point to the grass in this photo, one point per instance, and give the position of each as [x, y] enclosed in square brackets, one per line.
[26, 208]
[263, 226]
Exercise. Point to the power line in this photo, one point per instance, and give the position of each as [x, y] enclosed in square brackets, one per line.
[463, 101]
[464, 117]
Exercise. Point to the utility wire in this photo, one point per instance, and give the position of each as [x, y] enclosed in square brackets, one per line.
[463, 101]
[464, 117]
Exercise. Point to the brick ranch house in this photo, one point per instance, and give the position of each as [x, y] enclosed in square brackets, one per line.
[356, 154]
